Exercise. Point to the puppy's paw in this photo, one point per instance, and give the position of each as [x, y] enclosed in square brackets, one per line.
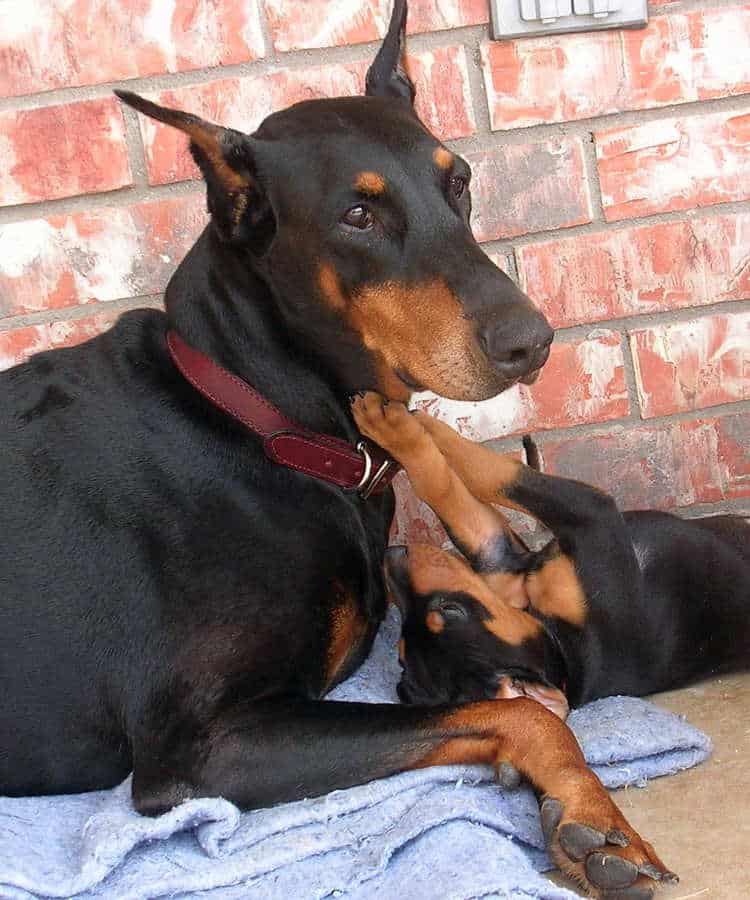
[387, 423]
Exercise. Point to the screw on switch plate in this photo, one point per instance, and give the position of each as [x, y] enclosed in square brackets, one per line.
[519, 18]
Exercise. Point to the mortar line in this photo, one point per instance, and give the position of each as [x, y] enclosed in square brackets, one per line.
[79, 311]
[629, 424]
[629, 369]
[136, 150]
[638, 321]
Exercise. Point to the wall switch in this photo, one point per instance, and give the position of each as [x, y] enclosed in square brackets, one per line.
[524, 18]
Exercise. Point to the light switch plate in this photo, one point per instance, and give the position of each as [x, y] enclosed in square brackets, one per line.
[524, 18]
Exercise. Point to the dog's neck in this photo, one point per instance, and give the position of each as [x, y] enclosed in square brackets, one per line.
[220, 306]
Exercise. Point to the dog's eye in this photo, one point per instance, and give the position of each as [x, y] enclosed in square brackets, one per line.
[453, 611]
[358, 217]
[457, 186]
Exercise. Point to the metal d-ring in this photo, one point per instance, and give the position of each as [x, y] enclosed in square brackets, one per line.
[362, 449]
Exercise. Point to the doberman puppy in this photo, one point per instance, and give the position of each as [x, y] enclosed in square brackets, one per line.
[172, 600]
[616, 603]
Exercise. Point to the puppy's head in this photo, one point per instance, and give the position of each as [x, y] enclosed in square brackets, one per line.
[461, 641]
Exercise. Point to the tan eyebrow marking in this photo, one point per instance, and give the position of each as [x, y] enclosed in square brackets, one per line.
[443, 158]
[369, 183]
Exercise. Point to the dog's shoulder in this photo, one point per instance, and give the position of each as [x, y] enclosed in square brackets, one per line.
[81, 405]
[102, 366]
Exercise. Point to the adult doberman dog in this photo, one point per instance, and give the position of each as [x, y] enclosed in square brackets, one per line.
[616, 603]
[176, 602]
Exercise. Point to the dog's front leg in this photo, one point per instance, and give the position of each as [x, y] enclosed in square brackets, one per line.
[481, 533]
[282, 750]
[591, 537]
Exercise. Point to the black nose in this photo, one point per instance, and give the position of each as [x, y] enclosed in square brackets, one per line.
[517, 346]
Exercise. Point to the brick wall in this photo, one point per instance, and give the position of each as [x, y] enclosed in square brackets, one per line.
[612, 180]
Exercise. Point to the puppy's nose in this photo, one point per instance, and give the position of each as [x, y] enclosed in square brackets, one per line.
[517, 347]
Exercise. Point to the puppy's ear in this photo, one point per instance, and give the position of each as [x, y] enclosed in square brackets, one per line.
[387, 76]
[226, 160]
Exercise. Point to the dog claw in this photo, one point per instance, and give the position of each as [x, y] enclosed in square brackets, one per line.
[651, 871]
[617, 838]
[579, 840]
[508, 776]
[609, 872]
[551, 812]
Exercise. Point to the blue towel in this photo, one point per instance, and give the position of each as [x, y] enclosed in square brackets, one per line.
[445, 833]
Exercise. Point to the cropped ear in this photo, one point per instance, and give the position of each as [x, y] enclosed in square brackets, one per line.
[387, 77]
[225, 158]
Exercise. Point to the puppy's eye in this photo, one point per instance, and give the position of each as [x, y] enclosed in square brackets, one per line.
[358, 217]
[457, 186]
[447, 609]
[453, 611]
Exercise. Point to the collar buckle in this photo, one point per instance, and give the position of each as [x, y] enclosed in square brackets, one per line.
[370, 479]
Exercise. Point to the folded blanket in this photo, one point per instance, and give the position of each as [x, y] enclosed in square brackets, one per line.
[445, 833]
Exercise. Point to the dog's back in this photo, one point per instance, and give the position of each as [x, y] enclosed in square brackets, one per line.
[67, 495]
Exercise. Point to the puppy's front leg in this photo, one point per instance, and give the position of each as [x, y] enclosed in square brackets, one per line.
[480, 532]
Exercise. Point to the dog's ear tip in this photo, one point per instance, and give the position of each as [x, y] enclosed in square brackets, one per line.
[141, 104]
[126, 96]
[387, 77]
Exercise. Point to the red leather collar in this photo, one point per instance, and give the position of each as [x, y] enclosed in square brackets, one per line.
[364, 468]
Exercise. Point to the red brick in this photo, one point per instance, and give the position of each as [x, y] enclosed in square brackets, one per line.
[523, 188]
[678, 58]
[443, 102]
[691, 365]
[331, 23]
[443, 99]
[665, 466]
[46, 44]
[59, 151]
[582, 382]
[639, 270]
[18, 345]
[109, 254]
[674, 164]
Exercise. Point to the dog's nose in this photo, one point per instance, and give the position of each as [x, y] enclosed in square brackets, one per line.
[517, 349]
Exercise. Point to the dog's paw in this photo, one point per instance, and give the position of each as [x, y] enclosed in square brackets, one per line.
[600, 851]
[388, 423]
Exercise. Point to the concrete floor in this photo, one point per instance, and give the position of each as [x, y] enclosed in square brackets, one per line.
[699, 820]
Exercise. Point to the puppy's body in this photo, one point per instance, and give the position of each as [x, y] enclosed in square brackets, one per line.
[686, 618]
[616, 603]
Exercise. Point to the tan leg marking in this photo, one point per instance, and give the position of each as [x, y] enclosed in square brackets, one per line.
[391, 426]
[485, 473]
[541, 747]
[555, 590]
